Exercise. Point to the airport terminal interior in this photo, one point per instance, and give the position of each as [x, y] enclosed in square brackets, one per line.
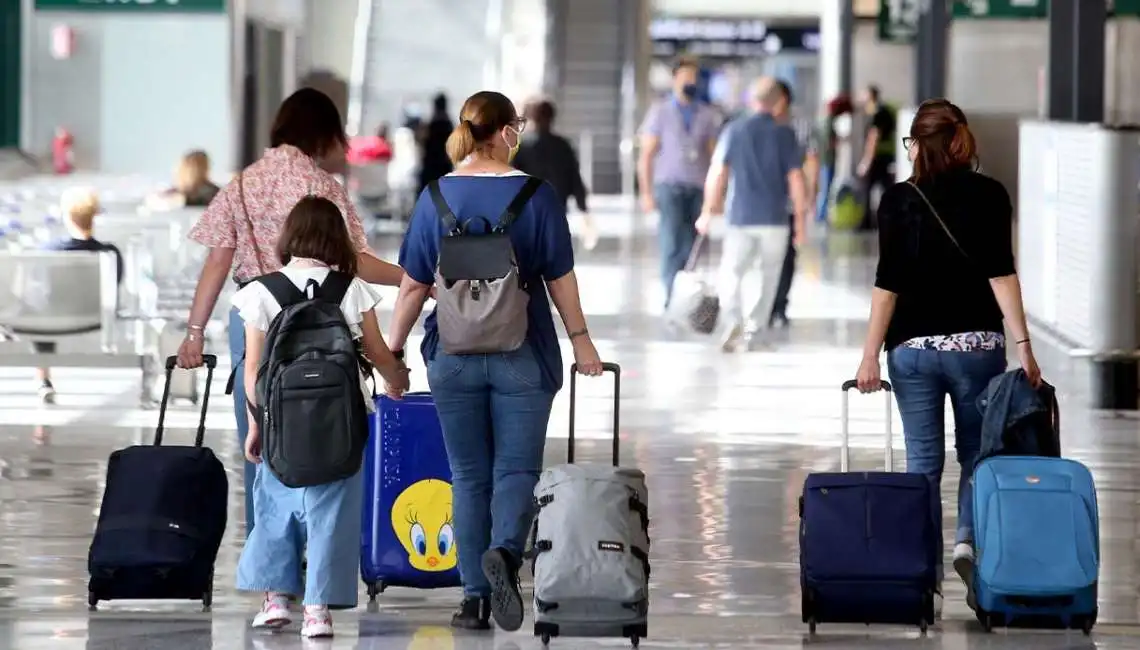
[110, 96]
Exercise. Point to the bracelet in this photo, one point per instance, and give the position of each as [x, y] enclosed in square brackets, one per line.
[575, 334]
[199, 328]
[191, 336]
[399, 354]
[1023, 341]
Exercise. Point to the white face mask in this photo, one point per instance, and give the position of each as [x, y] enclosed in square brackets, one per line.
[843, 126]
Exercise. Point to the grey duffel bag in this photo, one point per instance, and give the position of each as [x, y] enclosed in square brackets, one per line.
[590, 544]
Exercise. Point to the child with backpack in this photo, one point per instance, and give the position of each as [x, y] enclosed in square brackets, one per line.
[308, 418]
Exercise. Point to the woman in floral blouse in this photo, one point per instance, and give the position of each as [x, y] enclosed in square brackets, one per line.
[945, 282]
[242, 224]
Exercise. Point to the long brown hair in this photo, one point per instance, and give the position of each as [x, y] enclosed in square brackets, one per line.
[483, 115]
[943, 139]
[315, 229]
[310, 121]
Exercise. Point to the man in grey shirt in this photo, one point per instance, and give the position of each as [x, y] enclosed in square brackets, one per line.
[757, 168]
[677, 141]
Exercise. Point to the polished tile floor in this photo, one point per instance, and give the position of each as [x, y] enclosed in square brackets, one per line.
[725, 440]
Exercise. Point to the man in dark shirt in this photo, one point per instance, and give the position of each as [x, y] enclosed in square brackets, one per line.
[551, 157]
[79, 207]
[433, 141]
[876, 166]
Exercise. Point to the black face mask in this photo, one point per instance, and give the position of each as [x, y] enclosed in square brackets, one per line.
[689, 90]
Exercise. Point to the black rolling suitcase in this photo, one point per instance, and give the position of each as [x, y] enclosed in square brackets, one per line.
[162, 517]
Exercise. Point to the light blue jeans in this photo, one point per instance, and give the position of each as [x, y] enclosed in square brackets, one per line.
[237, 358]
[494, 413]
[322, 523]
[922, 379]
[679, 207]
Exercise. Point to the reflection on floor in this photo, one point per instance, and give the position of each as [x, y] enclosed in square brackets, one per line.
[725, 440]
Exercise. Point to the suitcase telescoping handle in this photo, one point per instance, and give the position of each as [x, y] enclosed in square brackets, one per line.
[606, 367]
[845, 447]
[211, 362]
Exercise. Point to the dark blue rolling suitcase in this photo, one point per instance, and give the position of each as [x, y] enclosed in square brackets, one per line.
[162, 517]
[408, 537]
[869, 542]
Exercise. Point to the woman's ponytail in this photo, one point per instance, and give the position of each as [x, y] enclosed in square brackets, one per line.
[963, 147]
[461, 143]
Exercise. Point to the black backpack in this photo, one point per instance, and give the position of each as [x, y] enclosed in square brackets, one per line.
[314, 420]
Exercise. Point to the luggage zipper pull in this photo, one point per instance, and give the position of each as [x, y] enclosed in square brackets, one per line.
[475, 291]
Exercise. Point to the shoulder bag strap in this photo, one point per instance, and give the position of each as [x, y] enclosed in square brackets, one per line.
[249, 225]
[282, 289]
[938, 217]
[518, 203]
[334, 287]
[442, 208]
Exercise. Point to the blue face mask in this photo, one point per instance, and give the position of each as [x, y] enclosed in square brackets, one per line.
[689, 91]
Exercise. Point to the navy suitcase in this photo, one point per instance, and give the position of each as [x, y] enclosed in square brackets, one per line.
[1037, 531]
[162, 517]
[407, 536]
[869, 542]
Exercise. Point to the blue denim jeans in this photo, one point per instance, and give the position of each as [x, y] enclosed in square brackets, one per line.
[679, 207]
[922, 379]
[823, 199]
[494, 413]
[318, 524]
[237, 358]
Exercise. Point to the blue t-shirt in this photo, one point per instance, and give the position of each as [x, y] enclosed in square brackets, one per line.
[759, 153]
[541, 240]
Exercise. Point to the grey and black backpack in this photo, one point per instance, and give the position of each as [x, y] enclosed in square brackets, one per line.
[314, 420]
[481, 297]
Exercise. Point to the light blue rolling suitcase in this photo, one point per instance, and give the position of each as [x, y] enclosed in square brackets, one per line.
[1037, 534]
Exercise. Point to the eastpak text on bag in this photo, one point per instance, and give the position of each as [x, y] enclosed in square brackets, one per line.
[314, 422]
[481, 297]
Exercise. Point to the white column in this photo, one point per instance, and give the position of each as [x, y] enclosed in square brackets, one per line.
[830, 48]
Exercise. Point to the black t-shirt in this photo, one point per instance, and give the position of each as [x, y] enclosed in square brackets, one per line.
[90, 245]
[884, 120]
[552, 158]
[943, 289]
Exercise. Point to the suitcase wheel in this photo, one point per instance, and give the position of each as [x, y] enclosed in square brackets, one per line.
[375, 589]
[92, 601]
[811, 625]
[635, 641]
[545, 640]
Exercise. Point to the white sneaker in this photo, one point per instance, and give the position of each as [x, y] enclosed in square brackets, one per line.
[274, 615]
[964, 561]
[318, 623]
[732, 339]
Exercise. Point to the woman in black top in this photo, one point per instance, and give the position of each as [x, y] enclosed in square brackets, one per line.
[945, 281]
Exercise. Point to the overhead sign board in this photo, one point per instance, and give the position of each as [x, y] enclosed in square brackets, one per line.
[727, 38]
[138, 6]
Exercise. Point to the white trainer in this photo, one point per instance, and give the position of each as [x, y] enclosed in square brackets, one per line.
[318, 623]
[964, 561]
[274, 615]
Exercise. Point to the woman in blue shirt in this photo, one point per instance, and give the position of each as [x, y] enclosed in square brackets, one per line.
[494, 408]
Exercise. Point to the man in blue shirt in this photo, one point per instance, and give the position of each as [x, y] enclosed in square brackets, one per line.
[757, 168]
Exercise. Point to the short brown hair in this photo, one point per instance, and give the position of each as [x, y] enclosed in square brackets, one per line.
[683, 62]
[943, 138]
[315, 229]
[483, 115]
[542, 113]
[310, 121]
[193, 171]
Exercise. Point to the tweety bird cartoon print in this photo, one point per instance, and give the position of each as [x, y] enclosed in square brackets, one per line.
[421, 519]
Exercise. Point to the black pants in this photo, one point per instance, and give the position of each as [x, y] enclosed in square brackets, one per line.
[881, 176]
[44, 347]
[780, 306]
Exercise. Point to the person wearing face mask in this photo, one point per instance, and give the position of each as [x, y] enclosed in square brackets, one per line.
[494, 408]
[677, 142]
[241, 226]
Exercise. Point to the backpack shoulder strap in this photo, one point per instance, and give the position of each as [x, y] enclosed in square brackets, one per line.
[334, 287]
[518, 203]
[282, 289]
[442, 208]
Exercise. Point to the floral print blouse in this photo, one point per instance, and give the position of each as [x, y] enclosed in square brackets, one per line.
[271, 187]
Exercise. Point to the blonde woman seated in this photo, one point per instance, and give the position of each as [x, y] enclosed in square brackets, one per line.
[192, 185]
